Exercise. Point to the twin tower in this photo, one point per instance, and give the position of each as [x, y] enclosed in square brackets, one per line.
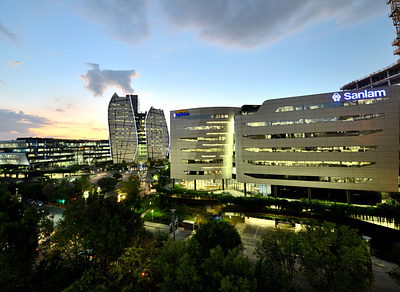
[134, 136]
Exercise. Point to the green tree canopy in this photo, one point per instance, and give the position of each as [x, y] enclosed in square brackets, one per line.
[334, 258]
[96, 230]
[218, 232]
[107, 184]
[19, 230]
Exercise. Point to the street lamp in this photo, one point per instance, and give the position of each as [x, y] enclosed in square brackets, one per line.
[152, 211]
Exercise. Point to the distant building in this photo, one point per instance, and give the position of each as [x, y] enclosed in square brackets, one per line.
[385, 77]
[136, 136]
[33, 153]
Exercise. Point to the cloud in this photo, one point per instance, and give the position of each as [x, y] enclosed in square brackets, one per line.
[18, 124]
[125, 20]
[98, 81]
[8, 33]
[257, 23]
[2, 82]
[13, 63]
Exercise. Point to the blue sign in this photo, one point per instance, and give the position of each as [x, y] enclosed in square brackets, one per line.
[181, 114]
[336, 97]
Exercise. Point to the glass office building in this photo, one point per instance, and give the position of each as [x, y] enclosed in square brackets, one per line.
[33, 153]
[135, 136]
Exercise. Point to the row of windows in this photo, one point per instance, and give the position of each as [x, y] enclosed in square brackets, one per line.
[207, 127]
[315, 120]
[219, 116]
[202, 150]
[313, 149]
[202, 172]
[310, 163]
[195, 139]
[291, 108]
[203, 161]
[311, 178]
[313, 135]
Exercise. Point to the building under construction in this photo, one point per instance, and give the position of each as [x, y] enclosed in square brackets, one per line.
[390, 75]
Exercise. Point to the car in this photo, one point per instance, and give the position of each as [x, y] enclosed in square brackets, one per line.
[30, 201]
[39, 203]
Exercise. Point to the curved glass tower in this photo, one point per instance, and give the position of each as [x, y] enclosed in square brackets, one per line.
[156, 134]
[135, 136]
[122, 128]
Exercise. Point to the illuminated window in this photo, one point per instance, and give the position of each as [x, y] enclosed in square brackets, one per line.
[313, 149]
[309, 163]
[313, 135]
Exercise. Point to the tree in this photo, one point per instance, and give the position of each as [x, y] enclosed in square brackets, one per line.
[281, 250]
[218, 232]
[232, 272]
[117, 175]
[334, 258]
[176, 270]
[94, 232]
[19, 230]
[132, 190]
[107, 184]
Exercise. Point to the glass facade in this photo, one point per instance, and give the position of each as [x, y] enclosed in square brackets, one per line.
[157, 134]
[134, 136]
[45, 152]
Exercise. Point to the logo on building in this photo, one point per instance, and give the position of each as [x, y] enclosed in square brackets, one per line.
[336, 97]
[180, 114]
[359, 95]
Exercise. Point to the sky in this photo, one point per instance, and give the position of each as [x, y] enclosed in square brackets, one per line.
[61, 61]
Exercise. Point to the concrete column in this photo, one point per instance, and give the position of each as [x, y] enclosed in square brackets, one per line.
[348, 195]
[194, 183]
[309, 194]
[245, 191]
[275, 193]
[223, 184]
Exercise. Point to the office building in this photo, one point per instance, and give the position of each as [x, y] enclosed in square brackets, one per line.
[345, 141]
[34, 153]
[202, 146]
[135, 136]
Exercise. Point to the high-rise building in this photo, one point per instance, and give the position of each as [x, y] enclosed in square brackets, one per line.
[136, 136]
[156, 134]
[122, 128]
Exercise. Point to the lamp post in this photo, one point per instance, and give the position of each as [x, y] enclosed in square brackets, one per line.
[173, 222]
[152, 211]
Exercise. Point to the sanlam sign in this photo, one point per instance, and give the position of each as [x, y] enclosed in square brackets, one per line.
[336, 97]
[181, 113]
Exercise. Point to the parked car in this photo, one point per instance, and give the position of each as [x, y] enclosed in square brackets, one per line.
[39, 203]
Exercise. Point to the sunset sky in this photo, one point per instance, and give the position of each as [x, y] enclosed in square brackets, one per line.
[61, 61]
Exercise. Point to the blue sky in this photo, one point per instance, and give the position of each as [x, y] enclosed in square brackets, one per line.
[61, 61]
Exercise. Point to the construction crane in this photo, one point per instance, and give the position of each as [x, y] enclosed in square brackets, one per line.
[395, 15]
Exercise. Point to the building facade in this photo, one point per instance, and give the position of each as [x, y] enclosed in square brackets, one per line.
[135, 136]
[343, 140]
[157, 135]
[122, 128]
[202, 145]
[33, 153]
[347, 140]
